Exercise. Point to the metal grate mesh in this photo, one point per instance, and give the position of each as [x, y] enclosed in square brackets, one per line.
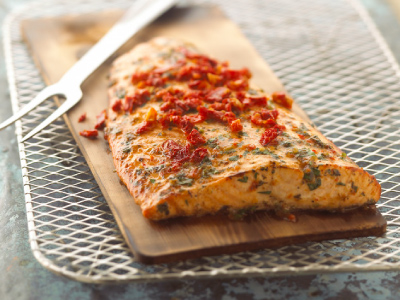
[331, 59]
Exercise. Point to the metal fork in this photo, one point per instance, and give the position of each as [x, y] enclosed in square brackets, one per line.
[141, 13]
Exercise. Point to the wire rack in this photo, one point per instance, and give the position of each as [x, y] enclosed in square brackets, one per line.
[332, 60]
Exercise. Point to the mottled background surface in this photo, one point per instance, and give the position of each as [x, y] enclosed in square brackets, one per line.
[24, 278]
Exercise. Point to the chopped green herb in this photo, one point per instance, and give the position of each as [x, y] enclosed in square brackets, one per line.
[354, 188]
[303, 127]
[260, 183]
[340, 183]
[242, 133]
[265, 192]
[229, 151]
[126, 150]
[183, 180]
[163, 208]
[157, 169]
[318, 142]
[314, 185]
[120, 93]
[252, 92]
[115, 130]
[129, 136]
[234, 158]
[243, 179]
[323, 156]
[221, 137]
[152, 180]
[302, 130]
[212, 142]
[207, 172]
[313, 178]
[305, 152]
[112, 82]
[257, 151]
[187, 181]
[333, 172]
[241, 213]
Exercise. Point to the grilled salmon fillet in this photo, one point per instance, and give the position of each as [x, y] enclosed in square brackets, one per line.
[191, 136]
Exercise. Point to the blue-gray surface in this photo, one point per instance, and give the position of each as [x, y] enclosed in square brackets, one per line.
[24, 278]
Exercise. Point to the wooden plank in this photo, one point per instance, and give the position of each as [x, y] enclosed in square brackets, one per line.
[56, 45]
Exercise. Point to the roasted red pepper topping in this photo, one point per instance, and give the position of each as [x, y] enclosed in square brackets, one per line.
[89, 133]
[143, 79]
[198, 155]
[140, 97]
[144, 126]
[230, 74]
[195, 118]
[238, 85]
[82, 118]
[303, 137]
[175, 151]
[225, 90]
[201, 59]
[217, 94]
[195, 138]
[167, 119]
[117, 105]
[270, 134]
[139, 76]
[222, 116]
[269, 114]
[282, 99]
[265, 118]
[185, 124]
[184, 105]
[210, 114]
[219, 106]
[179, 154]
[198, 84]
[255, 101]
[236, 125]
[101, 120]
[256, 119]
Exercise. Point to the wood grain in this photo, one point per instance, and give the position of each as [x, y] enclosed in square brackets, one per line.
[57, 43]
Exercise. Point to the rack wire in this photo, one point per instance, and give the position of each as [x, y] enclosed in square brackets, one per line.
[330, 57]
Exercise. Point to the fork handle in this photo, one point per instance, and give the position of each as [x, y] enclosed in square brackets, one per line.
[137, 17]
